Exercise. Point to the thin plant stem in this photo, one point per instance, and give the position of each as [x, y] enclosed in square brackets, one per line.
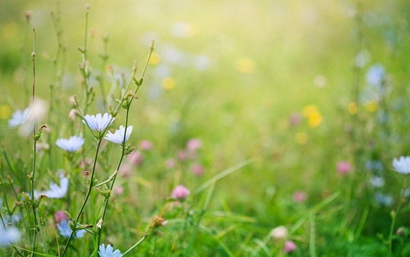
[86, 197]
[33, 173]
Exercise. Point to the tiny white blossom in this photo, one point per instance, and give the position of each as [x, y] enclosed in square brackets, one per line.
[71, 144]
[55, 191]
[19, 117]
[98, 122]
[402, 165]
[118, 136]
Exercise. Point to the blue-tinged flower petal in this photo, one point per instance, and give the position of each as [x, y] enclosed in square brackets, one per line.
[98, 122]
[9, 235]
[71, 144]
[108, 251]
[18, 118]
[55, 190]
[118, 136]
[65, 230]
[402, 165]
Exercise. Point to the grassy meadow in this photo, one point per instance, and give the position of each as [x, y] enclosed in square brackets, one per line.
[259, 128]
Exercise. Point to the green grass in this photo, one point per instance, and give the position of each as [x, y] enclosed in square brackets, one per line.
[240, 113]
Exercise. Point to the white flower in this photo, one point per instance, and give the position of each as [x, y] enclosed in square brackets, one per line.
[98, 122]
[118, 136]
[377, 181]
[9, 235]
[55, 190]
[402, 165]
[71, 144]
[18, 118]
[108, 251]
[280, 232]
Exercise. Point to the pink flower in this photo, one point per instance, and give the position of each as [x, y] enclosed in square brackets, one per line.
[170, 163]
[135, 158]
[344, 167]
[119, 190]
[295, 119]
[182, 155]
[180, 193]
[299, 196]
[60, 216]
[289, 247]
[194, 144]
[197, 169]
[145, 145]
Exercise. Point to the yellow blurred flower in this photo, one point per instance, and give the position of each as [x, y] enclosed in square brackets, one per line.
[245, 65]
[168, 83]
[313, 115]
[352, 108]
[315, 119]
[372, 106]
[5, 112]
[155, 59]
[301, 138]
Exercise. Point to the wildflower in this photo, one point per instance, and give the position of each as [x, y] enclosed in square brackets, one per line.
[55, 190]
[352, 108]
[197, 169]
[294, 119]
[182, 30]
[134, 159]
[383, 199]
[9, 235]
[290, 246]
[180, 193]
[98, 122]
[194, 144]
[145, 145]
[118, 136]
[375, 75]
[18, 118]
[280, 232]
[5, 112]
[170, 163]
[108, 251]
[320, 81]
[343, 167]
[377, 181]
[65, 230]
[60, 216]
[73, 114]
[168, 83]
[402, 165]
[71, 144]
[182, 155]
[202, 62]
[299, 196]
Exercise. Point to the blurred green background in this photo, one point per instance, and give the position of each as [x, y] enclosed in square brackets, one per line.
[230, 73]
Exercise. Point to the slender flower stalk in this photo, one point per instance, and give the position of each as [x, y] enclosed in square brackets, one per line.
[125, 138]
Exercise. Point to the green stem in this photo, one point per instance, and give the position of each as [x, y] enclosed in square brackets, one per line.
[86, 197]
[135, 245]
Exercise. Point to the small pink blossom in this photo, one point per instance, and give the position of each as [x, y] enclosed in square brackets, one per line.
[197, 169]
[295, 119]
[182, 155]
[180, 193]
[170, 163]
[146, 145]
[194, 144]
[119, 190]
[299, 196]
[344, 167]
[60, 216]
[290, 246]
[135, 157]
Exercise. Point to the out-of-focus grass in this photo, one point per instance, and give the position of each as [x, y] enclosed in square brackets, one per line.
[268, 59]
